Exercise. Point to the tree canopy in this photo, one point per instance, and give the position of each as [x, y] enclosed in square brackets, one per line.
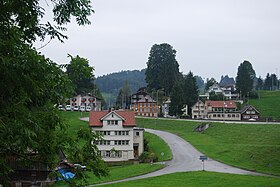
[123, 98]
[81, 74]
[209, 83]
[245, 78]
[32, 84]
[185, 92]
[162, 68]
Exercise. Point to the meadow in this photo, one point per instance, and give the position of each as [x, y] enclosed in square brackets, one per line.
[268, 104]
[253, 147]
[200, 179]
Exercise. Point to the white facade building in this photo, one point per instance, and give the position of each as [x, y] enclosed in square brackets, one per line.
[227, 91]
[199, 110]
[122, 141]
[86, 100]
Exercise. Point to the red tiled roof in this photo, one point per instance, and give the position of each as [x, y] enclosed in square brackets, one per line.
[96, 116]
[221, 104]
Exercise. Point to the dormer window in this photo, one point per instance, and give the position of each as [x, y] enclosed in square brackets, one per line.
[112, 122]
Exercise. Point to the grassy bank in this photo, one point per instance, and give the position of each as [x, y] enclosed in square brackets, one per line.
[251, 146]
[158, 146]
[199, 179]
[268, 104]
[120, 172]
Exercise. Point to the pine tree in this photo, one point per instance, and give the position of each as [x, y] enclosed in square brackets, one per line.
[245, 78]
[162, 68]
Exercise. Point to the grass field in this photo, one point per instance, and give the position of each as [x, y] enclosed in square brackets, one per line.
[251, 146]
[201, 179]
[268, 104]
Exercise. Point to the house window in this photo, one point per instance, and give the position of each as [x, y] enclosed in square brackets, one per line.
[103, 142]
[108, 154]
[137, 133]
[229, 115]
[112, 122]
[116, 154]
[121, 142]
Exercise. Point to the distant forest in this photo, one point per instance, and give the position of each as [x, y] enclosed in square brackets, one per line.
[112, 83]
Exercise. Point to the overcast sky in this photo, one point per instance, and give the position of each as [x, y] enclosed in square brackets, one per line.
[211, 38]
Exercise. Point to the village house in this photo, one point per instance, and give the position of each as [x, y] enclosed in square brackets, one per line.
[215, 110]
[222, 110]
[249, 112]
[199, 110]
[86, 100]
[143, 104]
[228, 91]
[122, 140]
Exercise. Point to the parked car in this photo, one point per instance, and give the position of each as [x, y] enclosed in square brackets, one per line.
[60, 107]
[76, 108]
[82, 108]
[68, 107]
[88, 108]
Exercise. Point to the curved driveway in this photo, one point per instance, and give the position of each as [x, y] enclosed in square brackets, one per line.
[185, 158]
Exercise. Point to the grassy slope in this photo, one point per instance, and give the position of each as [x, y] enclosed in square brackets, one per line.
[269, 104]
[199, 179]
[254, 147]
[158, 146]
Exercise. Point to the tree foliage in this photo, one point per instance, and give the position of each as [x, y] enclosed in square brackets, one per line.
[123, 98]
[113, 83]
[185, 92]
[209, 83]
[245, 78]
[32, 84]
[162, 68]
[270, 82]
[190, 91]
[177, 99]
[260, 83]
[81, 74]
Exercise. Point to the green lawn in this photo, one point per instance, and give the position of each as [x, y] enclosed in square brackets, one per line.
[158, 146]
[120, 172]
[251, 146]
[73, 120]
[268, 104]
[202, 179]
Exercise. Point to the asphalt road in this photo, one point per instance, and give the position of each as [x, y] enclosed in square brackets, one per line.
[186, 158]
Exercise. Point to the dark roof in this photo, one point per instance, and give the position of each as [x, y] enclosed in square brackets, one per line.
[246, 107]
